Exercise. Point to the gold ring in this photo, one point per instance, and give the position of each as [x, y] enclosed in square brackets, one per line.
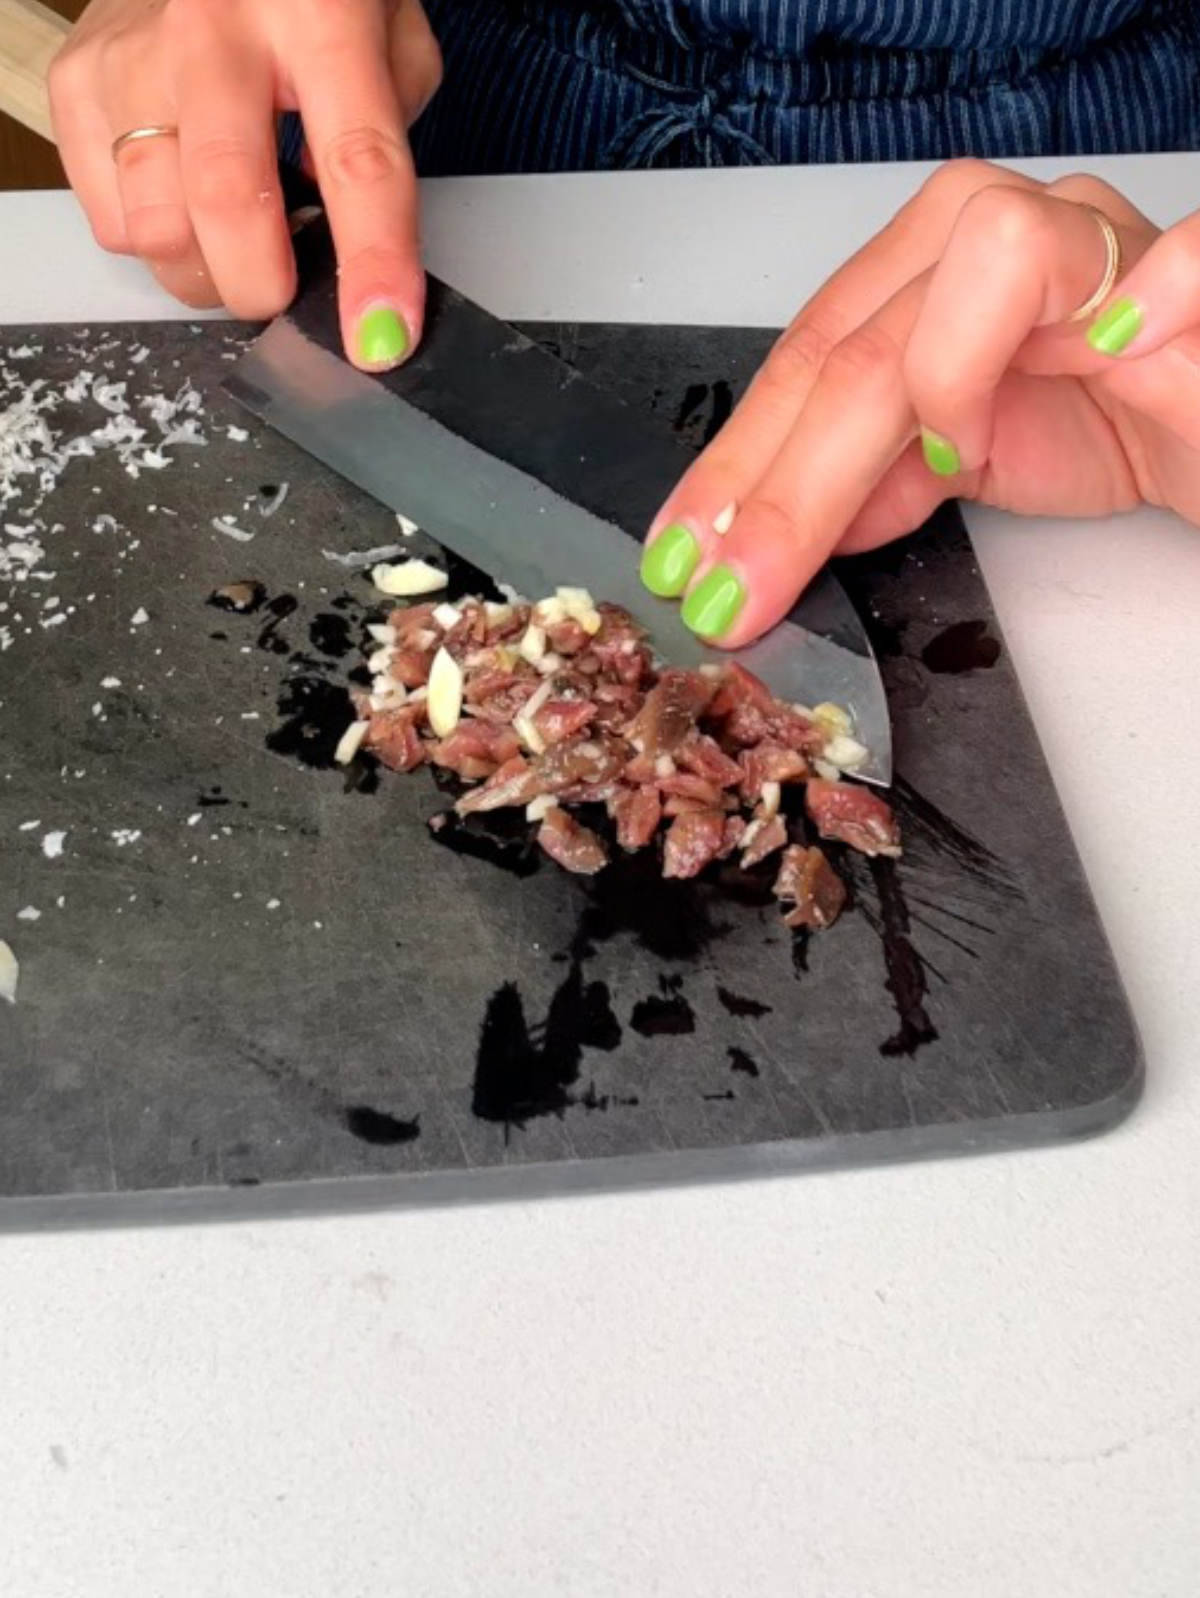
[1112, 267]
[153, 130]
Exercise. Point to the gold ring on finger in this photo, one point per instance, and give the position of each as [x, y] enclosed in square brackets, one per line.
[152, 130]
[1112, 266]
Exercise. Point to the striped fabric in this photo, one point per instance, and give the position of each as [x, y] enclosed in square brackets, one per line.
[547, 85]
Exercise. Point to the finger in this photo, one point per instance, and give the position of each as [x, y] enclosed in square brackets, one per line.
[1015, 261]
[81, 131]
[726, 472]
[227, 160]
[355, 131]
[857, 421]
[416, 59]
[1158, 299]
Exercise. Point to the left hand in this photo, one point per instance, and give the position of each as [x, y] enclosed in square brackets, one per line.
[940, 362]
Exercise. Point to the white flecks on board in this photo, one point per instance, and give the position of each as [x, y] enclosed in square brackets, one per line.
[52, 844]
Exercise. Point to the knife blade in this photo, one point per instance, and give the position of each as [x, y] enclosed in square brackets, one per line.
[505, 455]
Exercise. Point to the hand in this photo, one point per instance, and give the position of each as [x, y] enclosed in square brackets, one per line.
[204, 210]
[938, 363]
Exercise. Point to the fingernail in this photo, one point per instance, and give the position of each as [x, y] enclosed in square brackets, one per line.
[712, 606]
[1116, 327]
[723, 521]
[940, 454]
[668, 563]
[382, 337]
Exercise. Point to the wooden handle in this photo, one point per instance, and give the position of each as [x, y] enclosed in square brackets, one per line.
[31, 35]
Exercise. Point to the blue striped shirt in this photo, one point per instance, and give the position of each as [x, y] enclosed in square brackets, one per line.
[547, 85]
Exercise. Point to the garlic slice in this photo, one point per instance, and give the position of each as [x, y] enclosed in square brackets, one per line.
[350, 742]
[533, 643]
[538, 809]
[9, 972]
[445, 693]
[407, 578]
[447, 616]
[769, 798]
[382, 632]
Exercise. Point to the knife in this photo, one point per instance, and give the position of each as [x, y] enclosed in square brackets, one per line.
[507, 456]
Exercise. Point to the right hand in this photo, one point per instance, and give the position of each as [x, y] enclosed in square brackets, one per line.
[204, 210]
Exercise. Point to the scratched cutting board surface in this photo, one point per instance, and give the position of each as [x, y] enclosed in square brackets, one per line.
[250, 984]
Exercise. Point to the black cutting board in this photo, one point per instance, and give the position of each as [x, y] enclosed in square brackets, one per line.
[282, 994]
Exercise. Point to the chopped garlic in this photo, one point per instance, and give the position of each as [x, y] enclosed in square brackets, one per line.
[407, 578]
[445, 693]
[9, 972]
[550, 612]
[407, 527]
[390, 697]
[538, 809]
[580, 607]
[523, 723]
[751, 832]
[549, 663]
[770, 798]
[380, 660]
[710, 669]
[496, 614]
[824, 769]
[664, 766]
[844, 752]
[447, 616]
[350, 742]
[382, 632]
[505, 657]
[832, 720]
[533, 644]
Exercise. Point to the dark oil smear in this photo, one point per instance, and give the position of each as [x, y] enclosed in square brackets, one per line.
[329, 633]
[360, 676]
[524, 1071]
[671, 919]
[244, 1181]
[739, 1005]
[589, 1099]
[926, 832]
[280, 608]
[716, 1098]
[376, 1126]
[213, 798]
[741, 1062]
[361, 774]
[360, 1120]
[315, 714]
[965, 646]
[219, 637]
[698, 422]
[661, 1015]
[906, 979]
[502, 838]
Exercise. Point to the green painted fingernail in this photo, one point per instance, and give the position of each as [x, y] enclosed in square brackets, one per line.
[712, 606]
[669, 561]
[1115, 328]
[940, 454]
[382, 336]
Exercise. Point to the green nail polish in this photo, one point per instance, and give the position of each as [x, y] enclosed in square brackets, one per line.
[382, 336]
[712, 606]
[669, 561]
[1115, 328]
[940, 454]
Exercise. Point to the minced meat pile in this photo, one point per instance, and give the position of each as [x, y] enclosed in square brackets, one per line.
[559, 704]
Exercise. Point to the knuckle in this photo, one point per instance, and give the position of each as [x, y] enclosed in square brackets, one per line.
[799, 354]
[184, 18]
[159, 232]
[374, 264]
[868, 357]
[223, 175]
[68, 76]
[109, 235]
[362, 156]
[1012, 219]
[955, 181]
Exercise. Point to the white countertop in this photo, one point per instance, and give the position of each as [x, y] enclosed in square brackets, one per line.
[974, 1379]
